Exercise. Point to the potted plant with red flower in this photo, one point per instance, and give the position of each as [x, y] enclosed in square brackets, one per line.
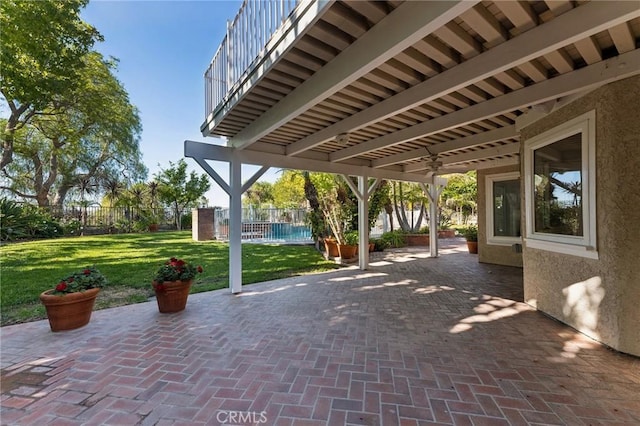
[69, 305]
[172, 284]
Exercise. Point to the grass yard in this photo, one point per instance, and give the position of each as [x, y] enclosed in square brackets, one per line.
[129, 261]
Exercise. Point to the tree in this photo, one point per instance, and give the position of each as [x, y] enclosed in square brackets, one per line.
[175, 190]
[258, 195]
[460, 194]
[409, 196]
[91, 132]
[288, 190]
[334, 202]
[42, 48]
[316, 218]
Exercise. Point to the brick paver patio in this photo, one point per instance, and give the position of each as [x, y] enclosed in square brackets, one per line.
[412, 341]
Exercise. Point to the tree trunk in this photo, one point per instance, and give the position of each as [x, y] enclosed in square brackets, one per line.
[388, 208]
[417, 226]
[178, 218]
[61, 194]
[13, 124]
[400, 213]
[311, 193]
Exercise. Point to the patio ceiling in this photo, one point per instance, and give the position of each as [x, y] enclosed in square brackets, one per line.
[408, 80]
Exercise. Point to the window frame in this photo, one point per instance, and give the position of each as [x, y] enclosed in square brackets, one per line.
[493, 239]
[585, 245]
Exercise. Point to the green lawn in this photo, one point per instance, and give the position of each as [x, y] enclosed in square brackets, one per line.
[129, 262]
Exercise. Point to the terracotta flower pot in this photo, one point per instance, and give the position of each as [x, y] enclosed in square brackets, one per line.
[472, 246]
[331, 246]
[69, 311]
[347, 251]
[172, 295]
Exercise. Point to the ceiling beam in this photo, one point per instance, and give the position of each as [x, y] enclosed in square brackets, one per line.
[622, 37]
[404, 26]
[595, 75]
[572, 26]
[496, 135]
[512, 148]
[485, 164]
[204, 151]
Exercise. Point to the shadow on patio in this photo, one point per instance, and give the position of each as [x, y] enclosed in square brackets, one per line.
[411, 340]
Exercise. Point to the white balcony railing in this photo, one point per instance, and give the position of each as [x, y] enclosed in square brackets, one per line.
[247, 36]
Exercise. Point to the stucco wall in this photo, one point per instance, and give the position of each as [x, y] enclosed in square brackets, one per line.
[491, 253]
[599, 297]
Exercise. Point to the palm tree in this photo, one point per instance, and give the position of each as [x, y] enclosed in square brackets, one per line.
[86, 186]
[153, 193]
[114, 192]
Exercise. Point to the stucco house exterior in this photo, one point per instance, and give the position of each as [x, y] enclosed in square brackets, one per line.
[542, 98]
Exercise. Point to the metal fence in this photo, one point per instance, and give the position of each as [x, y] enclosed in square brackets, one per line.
[266, 225]
[98, 219]
[258, 225]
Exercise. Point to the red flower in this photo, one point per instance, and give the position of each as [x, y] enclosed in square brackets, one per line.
[62, 286]
[177, 263]
[87, 272]
[199, 269]
[70, 279]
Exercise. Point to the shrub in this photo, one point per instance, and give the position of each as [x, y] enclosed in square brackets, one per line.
[351, 238]
[13, 225]
[379, 244]
[70, 226]
[185, 221]
[470, 233]
[394, 239]
[41, 224]
[26, 221]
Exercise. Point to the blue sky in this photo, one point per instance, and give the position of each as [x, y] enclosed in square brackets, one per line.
[164, 48]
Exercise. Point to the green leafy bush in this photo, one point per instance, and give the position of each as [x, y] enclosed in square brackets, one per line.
[394, 239]
[26, 221]
[470, 233]
[379, 244]
[351, 238]
[13, 225]
[41, 224]
[185, 221]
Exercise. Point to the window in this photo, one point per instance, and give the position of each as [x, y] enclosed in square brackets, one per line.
[503, 208]
[560, 188]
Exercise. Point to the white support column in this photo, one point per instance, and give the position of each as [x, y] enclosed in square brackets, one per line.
[234, 189]
[434, 195]
[235, 226]
[433, 191]
[363, 222]
[363, 192]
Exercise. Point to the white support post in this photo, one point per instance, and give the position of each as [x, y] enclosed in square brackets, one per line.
[362, 193]
[433, 219]
[433, 191]
[363, 222]
[234, 189]
[235, 226]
